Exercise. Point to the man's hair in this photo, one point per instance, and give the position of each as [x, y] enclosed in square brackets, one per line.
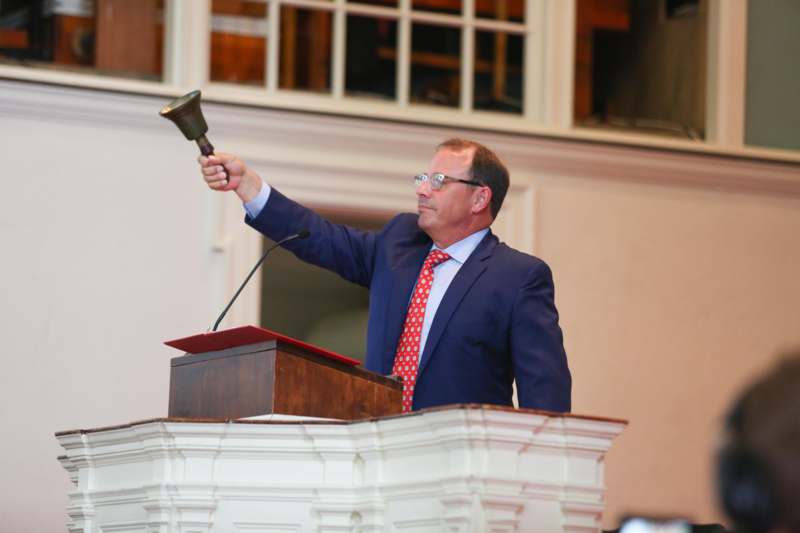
[486, 167]
[759, 468]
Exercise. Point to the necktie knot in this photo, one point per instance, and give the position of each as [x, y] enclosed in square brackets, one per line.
[436, 257]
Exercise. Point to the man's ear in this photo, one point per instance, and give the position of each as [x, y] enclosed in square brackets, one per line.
[481, 199]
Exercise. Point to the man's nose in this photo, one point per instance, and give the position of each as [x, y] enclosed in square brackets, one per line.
[424, 189]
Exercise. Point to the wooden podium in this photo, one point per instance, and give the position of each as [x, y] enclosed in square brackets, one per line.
[250, 371]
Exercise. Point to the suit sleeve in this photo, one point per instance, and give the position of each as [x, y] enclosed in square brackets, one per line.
[540, 363]
[347, 251]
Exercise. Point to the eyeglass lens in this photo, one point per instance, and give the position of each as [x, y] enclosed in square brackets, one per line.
[436, 180]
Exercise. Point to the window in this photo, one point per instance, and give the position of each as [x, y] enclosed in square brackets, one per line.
[109, 37]
[239, 42]
[441, 53]
[640, 65]
[687, 69]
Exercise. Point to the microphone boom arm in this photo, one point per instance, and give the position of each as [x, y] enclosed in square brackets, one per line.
[300, 235]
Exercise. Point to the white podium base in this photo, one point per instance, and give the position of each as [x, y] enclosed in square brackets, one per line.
[460, 469]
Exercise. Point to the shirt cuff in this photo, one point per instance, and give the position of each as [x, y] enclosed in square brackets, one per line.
[256, 205]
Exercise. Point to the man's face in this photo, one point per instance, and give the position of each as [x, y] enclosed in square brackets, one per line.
[444, 212]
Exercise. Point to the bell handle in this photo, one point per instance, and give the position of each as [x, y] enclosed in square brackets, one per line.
[207, 149]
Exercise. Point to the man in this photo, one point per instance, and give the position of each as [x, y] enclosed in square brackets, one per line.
[758, 464]
[454, 312]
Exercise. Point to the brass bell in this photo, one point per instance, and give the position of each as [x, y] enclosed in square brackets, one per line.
[185, 112]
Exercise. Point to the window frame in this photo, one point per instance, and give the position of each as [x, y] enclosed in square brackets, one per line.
[549, 46]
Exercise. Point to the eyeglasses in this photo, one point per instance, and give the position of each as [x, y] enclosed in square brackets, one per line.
[437, 180]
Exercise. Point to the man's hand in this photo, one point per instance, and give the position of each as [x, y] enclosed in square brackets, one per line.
[241, 179]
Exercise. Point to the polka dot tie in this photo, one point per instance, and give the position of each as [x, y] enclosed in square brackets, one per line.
[406, 360]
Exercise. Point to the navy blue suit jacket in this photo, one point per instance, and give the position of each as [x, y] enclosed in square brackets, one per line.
[496, 322]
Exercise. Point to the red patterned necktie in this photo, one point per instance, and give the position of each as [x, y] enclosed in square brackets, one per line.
[406, 360]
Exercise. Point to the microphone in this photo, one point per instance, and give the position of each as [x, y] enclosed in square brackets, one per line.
[302, 234]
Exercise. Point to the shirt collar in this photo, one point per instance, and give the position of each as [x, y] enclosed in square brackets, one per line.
[461, 250]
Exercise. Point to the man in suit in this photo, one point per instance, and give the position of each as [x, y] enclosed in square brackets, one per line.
[454, 312]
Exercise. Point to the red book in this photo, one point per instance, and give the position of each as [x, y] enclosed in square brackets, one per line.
[213, 341]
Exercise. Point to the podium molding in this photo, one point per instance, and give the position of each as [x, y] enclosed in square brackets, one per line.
[459, 468]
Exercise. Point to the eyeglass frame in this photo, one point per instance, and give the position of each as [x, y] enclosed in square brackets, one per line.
[433, 179]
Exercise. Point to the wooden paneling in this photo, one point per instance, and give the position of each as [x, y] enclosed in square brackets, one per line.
[307, 387]
[13, 38]
[593, 15]
[305, 49]
[238, 58]
[223, 387]
[126, 39]
[69, 32]
[240, 8]
[277, 378]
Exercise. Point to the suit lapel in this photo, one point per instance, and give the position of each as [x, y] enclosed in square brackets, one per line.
[404, 276]
[467, 275]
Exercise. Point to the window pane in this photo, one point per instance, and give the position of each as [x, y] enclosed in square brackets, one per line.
[641, 66]
[512, 10]
[85, 36]
[498, 72]
[435, 64]
[772, 116]
[371, 57]
[238, 41]
[383, 3]
[437, 6]
[305, 49]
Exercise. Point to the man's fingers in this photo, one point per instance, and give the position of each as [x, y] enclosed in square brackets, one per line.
[221, 171]
[217, 176]
[212, 170]
[221, 158]
[216, 184]
[215, 159]
[231, 165]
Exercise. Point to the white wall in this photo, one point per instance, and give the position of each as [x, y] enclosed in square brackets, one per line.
[106, 253]
[675, 273]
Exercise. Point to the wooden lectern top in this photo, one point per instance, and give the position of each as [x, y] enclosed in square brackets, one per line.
[251, 371]
[213, 341]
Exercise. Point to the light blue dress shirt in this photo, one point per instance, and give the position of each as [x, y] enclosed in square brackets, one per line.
[254, 206]
[443, 273]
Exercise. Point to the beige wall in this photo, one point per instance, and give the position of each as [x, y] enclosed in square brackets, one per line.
[675, 273]
[670, 299]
